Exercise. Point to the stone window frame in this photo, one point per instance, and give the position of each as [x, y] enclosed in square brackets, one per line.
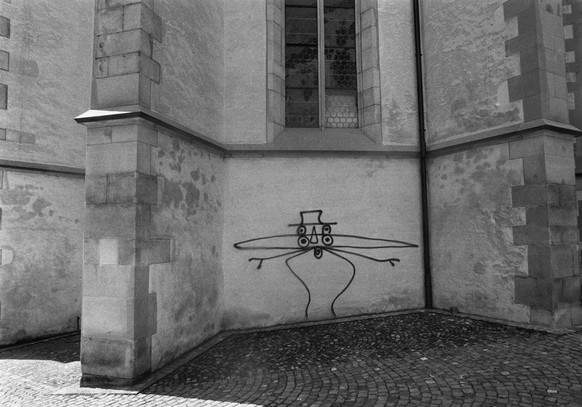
[368, 77]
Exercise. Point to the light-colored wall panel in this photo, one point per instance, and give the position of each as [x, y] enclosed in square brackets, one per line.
[365, 196]
[41, 241]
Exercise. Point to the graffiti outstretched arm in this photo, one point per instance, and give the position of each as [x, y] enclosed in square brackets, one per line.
[392, 261]
[261, 259]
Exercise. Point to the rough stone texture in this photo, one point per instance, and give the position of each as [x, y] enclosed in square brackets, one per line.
[4, 60]
[244, 72]
[4, 27]
[474, 260]
[552, 287]
[466, 68]
[189, 212]
[152, 276]
[578, 188]
[399, 104]
[41, 250]
[573, 50]
[119, 311]
[264, 195]
[541, 84]
[49, 79]
[192, 57]
[124, 69]
[3, 96]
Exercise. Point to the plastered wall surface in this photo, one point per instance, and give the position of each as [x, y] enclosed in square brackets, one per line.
[474, 260]
[41, 237]
[245, 72]
[366, 197]
[189, 212]
[192, 56]
[46, 71]
[397, 75]
[48, 80]
[466, 68]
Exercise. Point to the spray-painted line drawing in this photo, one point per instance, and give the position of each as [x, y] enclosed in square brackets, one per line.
[314, 235]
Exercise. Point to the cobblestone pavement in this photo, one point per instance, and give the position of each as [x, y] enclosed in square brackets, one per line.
[412, 359]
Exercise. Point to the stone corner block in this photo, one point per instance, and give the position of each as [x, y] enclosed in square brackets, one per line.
[537, 293]
[531, 234]
[117, 221]
[3, 96]
[4, 27]
[118, 157]
[561, 318]
[122, 90]
[4, 60]
[142, 132]
[155, 251]
[95, 188]
[114, 360]
[124, 42]
[132, 187]
[115, 281]
[139, 15]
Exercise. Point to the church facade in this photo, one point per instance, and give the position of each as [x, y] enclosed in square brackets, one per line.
[172, 169]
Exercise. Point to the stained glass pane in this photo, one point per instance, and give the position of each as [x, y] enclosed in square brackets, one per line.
[302, 108]
[302, 3]
[301, 69]
[340, 67]
[341, 109]
[301, 25]
[339, 28]
[340, 3]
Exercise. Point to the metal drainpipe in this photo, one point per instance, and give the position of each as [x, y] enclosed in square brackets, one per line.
[422, 141]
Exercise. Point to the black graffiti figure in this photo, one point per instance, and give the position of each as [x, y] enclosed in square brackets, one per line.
[314, 235]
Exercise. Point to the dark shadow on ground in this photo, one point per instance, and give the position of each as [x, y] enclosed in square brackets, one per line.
[64, 349]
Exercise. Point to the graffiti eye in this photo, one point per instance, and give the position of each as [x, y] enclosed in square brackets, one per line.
[327, 240]
[301, 230]
[326, 229]
[303, 241]
[317, 252]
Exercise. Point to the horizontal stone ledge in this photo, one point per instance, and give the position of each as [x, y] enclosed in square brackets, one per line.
[105, 118]
[364, 147]
[502, 135]
[55, 169]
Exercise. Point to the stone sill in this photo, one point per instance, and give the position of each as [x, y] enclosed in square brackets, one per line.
[507, 133]
[341, 142]
[62, 170]
[290, 142]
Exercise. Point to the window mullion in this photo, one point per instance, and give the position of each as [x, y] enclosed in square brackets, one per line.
[321, 62]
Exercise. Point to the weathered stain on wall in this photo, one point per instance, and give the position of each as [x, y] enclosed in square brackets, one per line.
[189, 211]
[474, 260]
[466, 68]
[41, 237]
[192, 56]
[365, 196]
[48, 80]
[399, 104]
